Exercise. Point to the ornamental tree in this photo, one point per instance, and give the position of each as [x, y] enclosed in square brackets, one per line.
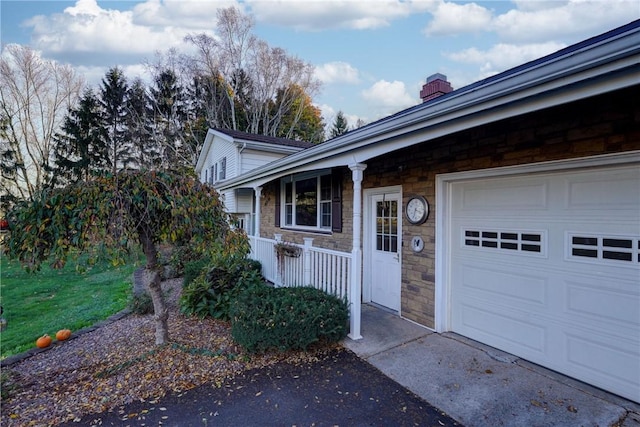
[116, 212]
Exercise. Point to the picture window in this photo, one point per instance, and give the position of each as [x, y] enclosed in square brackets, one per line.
[307, 201]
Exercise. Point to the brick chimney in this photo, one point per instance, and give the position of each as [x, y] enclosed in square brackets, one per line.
[437, 85]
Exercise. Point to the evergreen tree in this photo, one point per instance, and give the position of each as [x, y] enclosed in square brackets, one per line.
[167, 98]
[339, 126]
[139, 126]
[114, 101]
[81, 146]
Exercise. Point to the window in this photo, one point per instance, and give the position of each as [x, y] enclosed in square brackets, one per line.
[387, 226]
[507, 240]
[308, 201]
[604, 248]
[222, 169]
[218, 171]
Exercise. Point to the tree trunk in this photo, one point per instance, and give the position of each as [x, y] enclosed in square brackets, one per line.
[160, 313]
[152, 280]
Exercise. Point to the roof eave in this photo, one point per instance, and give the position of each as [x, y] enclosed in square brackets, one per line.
[535, 87]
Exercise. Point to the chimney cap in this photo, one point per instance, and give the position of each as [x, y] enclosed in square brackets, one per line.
[436, 76]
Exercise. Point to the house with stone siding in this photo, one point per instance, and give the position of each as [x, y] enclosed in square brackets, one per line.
[507, 211]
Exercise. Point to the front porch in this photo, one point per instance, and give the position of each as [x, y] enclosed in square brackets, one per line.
[324, 269]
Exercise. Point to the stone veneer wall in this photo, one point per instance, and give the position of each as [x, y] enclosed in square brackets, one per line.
[606, 124]
[334, 241]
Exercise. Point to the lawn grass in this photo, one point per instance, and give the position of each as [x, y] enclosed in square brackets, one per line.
[49, 300]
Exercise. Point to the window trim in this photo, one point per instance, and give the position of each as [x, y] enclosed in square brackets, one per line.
[600, 248]
[292, 179]
[485, 242]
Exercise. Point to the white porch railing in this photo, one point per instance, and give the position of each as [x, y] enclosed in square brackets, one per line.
[323, 269]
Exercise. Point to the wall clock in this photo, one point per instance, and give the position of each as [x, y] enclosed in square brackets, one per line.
[417, 210]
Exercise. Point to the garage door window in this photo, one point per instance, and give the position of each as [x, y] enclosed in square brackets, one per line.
[602, 248]
[531, 242]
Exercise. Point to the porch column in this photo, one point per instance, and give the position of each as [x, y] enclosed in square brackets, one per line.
[308, 243]
[355, 288]
[256, 225]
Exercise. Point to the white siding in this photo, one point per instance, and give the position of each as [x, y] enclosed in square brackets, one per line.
[220, 149]
[244, 200]
[229, 199]
[252, 159]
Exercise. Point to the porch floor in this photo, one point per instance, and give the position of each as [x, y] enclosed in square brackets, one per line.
[479, 385]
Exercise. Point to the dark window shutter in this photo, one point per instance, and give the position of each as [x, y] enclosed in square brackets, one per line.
[336, 201]
[277, 213]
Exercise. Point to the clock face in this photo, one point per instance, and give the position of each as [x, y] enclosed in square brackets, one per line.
[417, 210]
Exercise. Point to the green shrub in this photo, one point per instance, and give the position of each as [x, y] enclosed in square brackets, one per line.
[192, 269]
[254, 265]
[180, 256]
[140, 303]
[213, 290]
[264, 318]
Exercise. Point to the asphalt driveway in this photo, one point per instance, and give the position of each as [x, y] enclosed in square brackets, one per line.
[339, 390]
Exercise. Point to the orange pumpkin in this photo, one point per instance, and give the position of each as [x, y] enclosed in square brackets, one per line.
[63, 334]
[44, 341]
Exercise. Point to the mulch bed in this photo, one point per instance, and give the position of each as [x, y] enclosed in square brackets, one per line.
[115, 375]
[118, 364]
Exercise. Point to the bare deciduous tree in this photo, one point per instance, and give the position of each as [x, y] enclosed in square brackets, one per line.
[262, 83]
[35, 95]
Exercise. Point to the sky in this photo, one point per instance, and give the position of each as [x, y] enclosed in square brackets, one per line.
[372, 56]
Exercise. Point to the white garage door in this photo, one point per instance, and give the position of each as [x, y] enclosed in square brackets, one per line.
[547, 267]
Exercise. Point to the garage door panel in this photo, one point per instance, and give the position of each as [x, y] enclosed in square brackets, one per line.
[517, 196]
[610, 301]
[571, 304]
[605, 364]
[529, 338]
[593, 191]
[495, 284]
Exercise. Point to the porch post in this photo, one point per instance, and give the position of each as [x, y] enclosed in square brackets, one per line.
[256, 225]
[308, 243]
[355, 291]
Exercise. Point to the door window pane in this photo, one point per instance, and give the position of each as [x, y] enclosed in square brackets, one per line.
[387, 226]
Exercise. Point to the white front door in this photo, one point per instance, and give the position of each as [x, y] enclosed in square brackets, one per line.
[385, 246]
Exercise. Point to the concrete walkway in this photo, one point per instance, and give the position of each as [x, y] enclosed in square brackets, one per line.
[478, 385]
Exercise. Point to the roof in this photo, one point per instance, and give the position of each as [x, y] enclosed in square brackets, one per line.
[250, 140]
[601, 64]
[246, 136]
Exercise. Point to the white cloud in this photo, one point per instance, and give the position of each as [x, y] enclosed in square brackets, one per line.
[529, 5]
[337, 72]
[503, 56]
[392, 96]
[191, 14]
[533, 21]
[574, 19]
[91, 34]
[454, 18]
[317, 15]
